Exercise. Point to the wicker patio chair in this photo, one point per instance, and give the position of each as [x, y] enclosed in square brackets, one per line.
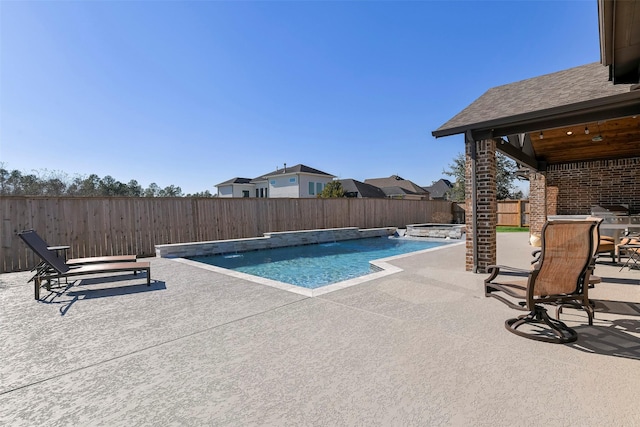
[560, 278]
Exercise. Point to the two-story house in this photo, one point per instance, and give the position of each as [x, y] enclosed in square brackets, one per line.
[297, 181]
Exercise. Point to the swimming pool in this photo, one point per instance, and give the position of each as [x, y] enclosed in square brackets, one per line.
[318, 265]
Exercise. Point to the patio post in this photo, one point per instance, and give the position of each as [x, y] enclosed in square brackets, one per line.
[480, 200]
[537, 206]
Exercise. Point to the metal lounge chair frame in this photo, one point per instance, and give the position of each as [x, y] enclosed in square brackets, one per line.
[560, 278]
[38, 241]
[54, 267]
[35, 239]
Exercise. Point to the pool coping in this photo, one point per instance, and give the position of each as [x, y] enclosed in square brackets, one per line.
[383, 264]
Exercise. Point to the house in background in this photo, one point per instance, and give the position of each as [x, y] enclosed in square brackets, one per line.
[297, 181]
[439, 190]
[359, 189]
[402, 193]
[235, 187]
[400, 188]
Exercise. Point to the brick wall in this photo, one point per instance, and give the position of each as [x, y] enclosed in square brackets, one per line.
[578, 186]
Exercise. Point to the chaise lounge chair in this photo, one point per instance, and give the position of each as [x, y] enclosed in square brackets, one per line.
[36, 240]
[560, 278]
[54, 267]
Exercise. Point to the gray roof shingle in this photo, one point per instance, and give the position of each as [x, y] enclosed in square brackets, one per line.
[572, 86]
[439, 188]
[236, 181]
[363, 189]
[396, 191]
[395, 181]
[293, 169]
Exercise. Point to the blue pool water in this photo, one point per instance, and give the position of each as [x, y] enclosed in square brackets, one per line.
[314, 266]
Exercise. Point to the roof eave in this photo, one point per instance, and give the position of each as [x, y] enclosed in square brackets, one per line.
[605, 31]
[620, 105]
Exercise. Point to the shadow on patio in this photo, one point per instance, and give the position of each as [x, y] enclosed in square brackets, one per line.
[67, 294]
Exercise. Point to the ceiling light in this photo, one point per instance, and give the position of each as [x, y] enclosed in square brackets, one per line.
[569, 133]
[598, 137]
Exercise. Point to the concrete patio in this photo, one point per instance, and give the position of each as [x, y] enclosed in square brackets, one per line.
[420, 347]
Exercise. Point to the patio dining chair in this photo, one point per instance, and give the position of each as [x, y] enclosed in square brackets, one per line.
[560, 278]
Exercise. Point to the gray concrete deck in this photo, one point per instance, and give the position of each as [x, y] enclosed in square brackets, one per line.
[420, 347]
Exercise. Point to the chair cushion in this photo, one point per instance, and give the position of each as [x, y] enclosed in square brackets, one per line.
[606, 245]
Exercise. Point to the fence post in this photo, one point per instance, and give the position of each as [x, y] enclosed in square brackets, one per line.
[519, 212]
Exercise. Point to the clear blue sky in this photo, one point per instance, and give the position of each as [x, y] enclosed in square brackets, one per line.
[195, 93]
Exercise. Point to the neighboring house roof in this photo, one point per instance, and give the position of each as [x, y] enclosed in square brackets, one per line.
[292, 169]
[439, 189]
[395, 181]
[398, 191]
[362, 189]
[235, 181]
[586, 83]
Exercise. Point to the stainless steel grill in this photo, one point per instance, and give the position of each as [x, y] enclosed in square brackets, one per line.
[616, 220]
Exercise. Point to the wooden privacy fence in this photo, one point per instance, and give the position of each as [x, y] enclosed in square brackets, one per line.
[514, 213]
[511, 213]
[127, 225]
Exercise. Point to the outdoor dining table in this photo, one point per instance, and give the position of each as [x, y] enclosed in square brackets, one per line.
[633, 255]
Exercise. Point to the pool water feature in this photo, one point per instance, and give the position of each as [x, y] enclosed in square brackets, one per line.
[319, 265]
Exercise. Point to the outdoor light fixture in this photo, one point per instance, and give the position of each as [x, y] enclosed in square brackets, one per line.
[586, 130]
[541, 135]
[598, 137]
[569, 133]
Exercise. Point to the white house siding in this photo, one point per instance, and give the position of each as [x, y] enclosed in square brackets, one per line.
[239, 188]
[281, 186]
[264, 186]
[304, 184]
[225, 191]
[235, 190]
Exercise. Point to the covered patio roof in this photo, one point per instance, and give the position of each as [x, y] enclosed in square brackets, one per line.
[571, 115]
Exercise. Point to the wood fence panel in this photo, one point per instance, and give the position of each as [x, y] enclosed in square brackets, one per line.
[328, 214]
[513, 213]
[358, 213]
[95, 226]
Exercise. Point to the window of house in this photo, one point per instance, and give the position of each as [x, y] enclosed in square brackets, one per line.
[262, 192]
[245, 193]
[311, 188]
[292, 179]
[257, 193]
[319, 187]
[273, 182]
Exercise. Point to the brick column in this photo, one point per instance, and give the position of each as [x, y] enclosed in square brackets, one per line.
[468, 206]
[537, 206]
[486, 205]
